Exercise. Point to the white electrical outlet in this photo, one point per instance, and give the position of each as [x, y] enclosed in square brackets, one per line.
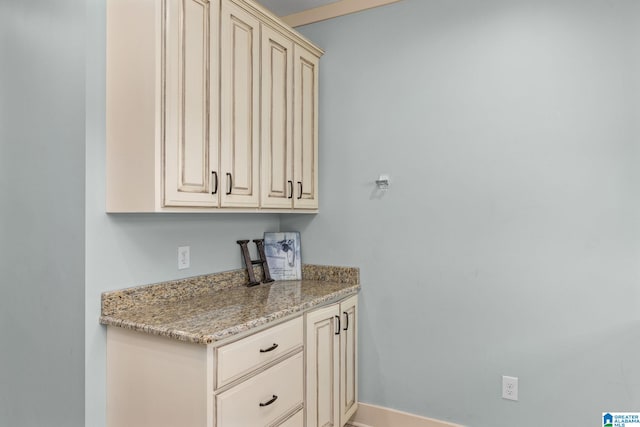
[184, 257]
[509, 388]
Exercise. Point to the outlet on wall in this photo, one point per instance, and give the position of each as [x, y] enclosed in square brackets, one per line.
[184, 257]
[509, 388]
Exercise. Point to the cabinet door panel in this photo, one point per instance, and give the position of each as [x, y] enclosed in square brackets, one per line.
[305, 129]
[277, 127]
[240, 44]
[322, 355]
[348, 359]
[188, 153]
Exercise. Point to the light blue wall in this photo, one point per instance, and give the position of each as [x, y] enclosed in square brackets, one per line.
[42, 112]
[125, 250]
[509, 241]
[511, 132]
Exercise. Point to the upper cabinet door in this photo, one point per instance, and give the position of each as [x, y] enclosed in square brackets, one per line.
[305, 129]
[277, 187]
[190, 140]
[240, 107]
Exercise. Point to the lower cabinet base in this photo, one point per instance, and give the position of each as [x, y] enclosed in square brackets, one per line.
[154, 381]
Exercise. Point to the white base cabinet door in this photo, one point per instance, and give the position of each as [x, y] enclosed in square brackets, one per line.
[323, 367]
[331, 356]
[348, 359]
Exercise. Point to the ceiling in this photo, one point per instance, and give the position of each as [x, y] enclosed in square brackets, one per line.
[287, 7]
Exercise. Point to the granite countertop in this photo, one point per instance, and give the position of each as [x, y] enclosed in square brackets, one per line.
[207, 309]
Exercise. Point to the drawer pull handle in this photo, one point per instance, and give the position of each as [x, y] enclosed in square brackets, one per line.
[273, 399]
[338, 328]
[267, 350]
[346, 315]
[300, 188]
[290, 189]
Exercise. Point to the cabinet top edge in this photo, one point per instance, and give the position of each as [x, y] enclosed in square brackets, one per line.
[274, 20]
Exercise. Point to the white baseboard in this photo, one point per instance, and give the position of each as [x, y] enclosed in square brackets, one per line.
[377, 416]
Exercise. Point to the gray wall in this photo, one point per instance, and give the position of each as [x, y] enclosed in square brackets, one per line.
[509, 240]
[133, 249]
[42, 213]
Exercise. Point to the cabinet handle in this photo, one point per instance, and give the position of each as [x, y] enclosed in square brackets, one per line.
[270, 401]
[230, 181]
[346, 327]
[267, 350]
[338, 330]
[300, 190]
[215, 182]
[290, 189]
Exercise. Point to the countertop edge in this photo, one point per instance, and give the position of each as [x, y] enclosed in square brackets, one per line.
[234, 330]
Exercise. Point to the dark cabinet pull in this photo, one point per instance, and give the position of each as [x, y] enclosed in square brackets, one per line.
[267, 350]
[230, 180]
[215, 182]
[338, 330]
[300, 188]
[273, 399]
[346, 327]
[290, 189]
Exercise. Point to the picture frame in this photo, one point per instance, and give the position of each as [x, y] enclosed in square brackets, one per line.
[282, 250]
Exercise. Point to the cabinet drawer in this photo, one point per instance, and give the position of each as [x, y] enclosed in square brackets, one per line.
[241, 357]
[261, 400]
[295, 421]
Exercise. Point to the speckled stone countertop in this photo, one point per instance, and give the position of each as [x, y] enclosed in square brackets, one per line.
[207, 309]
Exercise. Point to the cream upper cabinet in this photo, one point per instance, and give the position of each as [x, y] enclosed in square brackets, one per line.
[190, 119]
[331, 356]
[197, 91]
[305, 129]
[162, 114]
[277, 120]
[289, 123]
[240, 106]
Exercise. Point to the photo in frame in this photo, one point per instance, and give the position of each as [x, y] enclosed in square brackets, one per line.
[282, 250]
